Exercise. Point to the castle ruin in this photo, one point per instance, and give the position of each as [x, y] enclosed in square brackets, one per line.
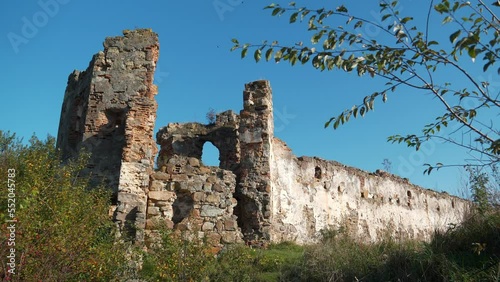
[260, 191]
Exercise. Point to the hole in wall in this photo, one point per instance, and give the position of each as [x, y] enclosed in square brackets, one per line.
[248, 217]
[182, 206]
[408, 193]
[210, 154]
[452, 204]
[317, 172]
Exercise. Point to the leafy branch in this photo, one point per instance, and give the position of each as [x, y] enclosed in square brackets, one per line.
[404, 56]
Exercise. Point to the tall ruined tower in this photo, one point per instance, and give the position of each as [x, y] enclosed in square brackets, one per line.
[109, 110]
[256, 131]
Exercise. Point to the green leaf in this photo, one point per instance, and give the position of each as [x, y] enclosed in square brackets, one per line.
[293, 17]
[453, 36]
[407, 19]
[336, 124]
[269, 54]
[257, 54]
[244, 52]
[447, 20]
[235, 41]
[276, 11]
[341, 9]
[327, 124]
[472, 52]
[278, 55]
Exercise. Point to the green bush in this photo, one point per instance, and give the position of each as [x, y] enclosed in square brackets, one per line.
[63, 230]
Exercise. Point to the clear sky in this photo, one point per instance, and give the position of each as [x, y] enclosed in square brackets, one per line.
[196, 71]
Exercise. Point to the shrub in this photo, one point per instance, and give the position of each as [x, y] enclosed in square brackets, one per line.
[63, 231]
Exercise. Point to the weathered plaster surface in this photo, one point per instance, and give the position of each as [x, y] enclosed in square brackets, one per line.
[310, 194]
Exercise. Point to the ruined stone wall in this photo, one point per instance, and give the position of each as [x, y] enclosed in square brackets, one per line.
[186, 195]
[260, 191]
[310, 194]
[110, 110]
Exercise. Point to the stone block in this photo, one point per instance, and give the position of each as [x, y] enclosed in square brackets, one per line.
[207, 226]
[160, 176]
[194, 162]
[179, 177]
[152, 211]
[217, 187]
[199, 196]
[228, 237]
[162, 204]
[205, 170]
[131, 198]
[214, 238]
[157, 185]
[195, 213]
[161, 195]
[219, 225]
[211, 211]
[230, 225]
[212, 179]
[214, 199]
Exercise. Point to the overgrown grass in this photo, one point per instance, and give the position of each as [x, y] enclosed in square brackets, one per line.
[469, 252]
[176, 259]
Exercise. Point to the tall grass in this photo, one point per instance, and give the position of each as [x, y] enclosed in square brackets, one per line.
[469, 252]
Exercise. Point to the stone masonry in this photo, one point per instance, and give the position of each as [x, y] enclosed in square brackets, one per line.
[109, 110]
[260, 192]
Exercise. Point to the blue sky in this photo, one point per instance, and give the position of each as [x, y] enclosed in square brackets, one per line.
[196, 71]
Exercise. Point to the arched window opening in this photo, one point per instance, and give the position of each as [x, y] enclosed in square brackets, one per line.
[210, 154]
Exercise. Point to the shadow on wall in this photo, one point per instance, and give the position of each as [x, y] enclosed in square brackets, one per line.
[182, 206]
[107, 148]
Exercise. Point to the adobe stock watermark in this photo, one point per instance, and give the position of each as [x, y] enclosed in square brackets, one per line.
[11, 222]
[372, 30]
[408, 165]
[283, 118]
[223, 6]
[31, 25]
